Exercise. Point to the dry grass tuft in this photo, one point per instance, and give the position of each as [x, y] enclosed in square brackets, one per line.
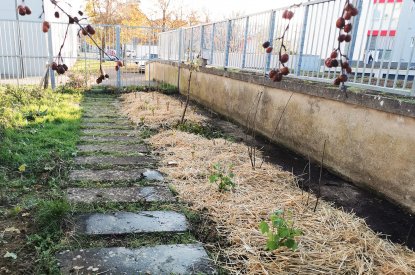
[334, 242]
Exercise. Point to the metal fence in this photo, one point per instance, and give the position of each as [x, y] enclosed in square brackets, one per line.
[382, 30]
[26, 52]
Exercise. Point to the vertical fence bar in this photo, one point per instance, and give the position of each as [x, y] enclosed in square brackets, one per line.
[413, 88]
[245, 42]
[191, 45]
[180, 57]
[202, 37]
[212, 46]
[118, 50]
[228, 43]
[51, 72]
[356, 21]
[271, 39]
[302, 41]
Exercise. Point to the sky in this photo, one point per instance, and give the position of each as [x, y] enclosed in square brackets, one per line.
[221, 9]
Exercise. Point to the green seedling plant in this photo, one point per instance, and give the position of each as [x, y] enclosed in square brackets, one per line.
[280, 233]
[223, 178]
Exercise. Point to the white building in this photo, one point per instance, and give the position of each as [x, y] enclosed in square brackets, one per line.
[24, 49]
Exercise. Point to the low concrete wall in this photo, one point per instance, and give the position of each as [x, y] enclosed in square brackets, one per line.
[370, 139]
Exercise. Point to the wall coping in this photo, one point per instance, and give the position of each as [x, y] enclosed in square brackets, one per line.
[367, 98]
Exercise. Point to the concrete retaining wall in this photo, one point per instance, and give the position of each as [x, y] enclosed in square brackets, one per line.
[370, 139]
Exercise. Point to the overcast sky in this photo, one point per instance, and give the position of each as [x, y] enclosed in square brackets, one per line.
[220, 9]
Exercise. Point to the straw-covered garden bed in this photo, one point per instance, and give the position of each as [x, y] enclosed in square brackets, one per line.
[332, 241]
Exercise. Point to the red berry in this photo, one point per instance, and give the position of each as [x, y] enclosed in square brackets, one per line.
[341, 38]
[119, 63]
[287, 14]
[28, 10]
[333, 54]
[56, 14]
[349, 7]
[340, 22]
[343, 78]
[45, 26]
[22, 10]
[61, 69]
[334, 63]
[90, 29]
[99, 80]
[337, 82]
[354, 12]
[117, 68]
[71, 20]
[84, 31]
[348, 38]
[65, 67]
[54, 66]
[327, 62]
[107, 76]
[284, 71]
[80, 13]
[284, 58]
[277, 77]
[347, 15]
[266, 44]
[269, 50]
[348, 28]
[345, 64]
[349, 70]
[272, 73]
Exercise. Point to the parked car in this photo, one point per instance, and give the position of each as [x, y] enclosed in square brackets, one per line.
[130, 53]
[141, 62]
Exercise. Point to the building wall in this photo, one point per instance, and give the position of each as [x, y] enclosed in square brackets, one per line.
[370, 140]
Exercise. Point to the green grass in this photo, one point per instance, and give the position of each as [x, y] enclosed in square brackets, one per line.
[39, 132]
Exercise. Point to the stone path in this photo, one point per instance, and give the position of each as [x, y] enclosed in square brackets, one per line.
[111, 152]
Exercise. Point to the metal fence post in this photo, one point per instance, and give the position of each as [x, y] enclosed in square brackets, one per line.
[413, 87]
[202, 38]
[271, 39]
[356, 21]
[191, 46]
[51, 72]
[118, 50]
[228, 43]
[245, 42]
[212, 46]
[302, 40]
[180, 58]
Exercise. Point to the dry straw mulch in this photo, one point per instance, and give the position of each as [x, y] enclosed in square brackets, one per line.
[333, 242]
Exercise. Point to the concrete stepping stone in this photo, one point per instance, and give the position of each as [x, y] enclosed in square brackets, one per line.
[106, 175]
[114, 148]
[110, 160]
[106, 126]
[109, 132]
[161, 259]
[121, 223]
[109, 139]
[120, 194]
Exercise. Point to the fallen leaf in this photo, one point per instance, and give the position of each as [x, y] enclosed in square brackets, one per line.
[12, 230]
[10, 255]
[22, 168]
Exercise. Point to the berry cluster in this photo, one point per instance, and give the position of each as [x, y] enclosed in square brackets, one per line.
[277, 73]
[23, 10]
[337, 58]
[59, 66]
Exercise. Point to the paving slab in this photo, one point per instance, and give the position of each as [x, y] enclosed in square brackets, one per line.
[121, 223]
[113, 148]
[106, 175]
[161, 259]
[107, 126]
[110, 160]
[153, 175]
[93, 139]
[120, 194]
[109, 132]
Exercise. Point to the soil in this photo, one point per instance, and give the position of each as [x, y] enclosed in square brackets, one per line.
[381, 215]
